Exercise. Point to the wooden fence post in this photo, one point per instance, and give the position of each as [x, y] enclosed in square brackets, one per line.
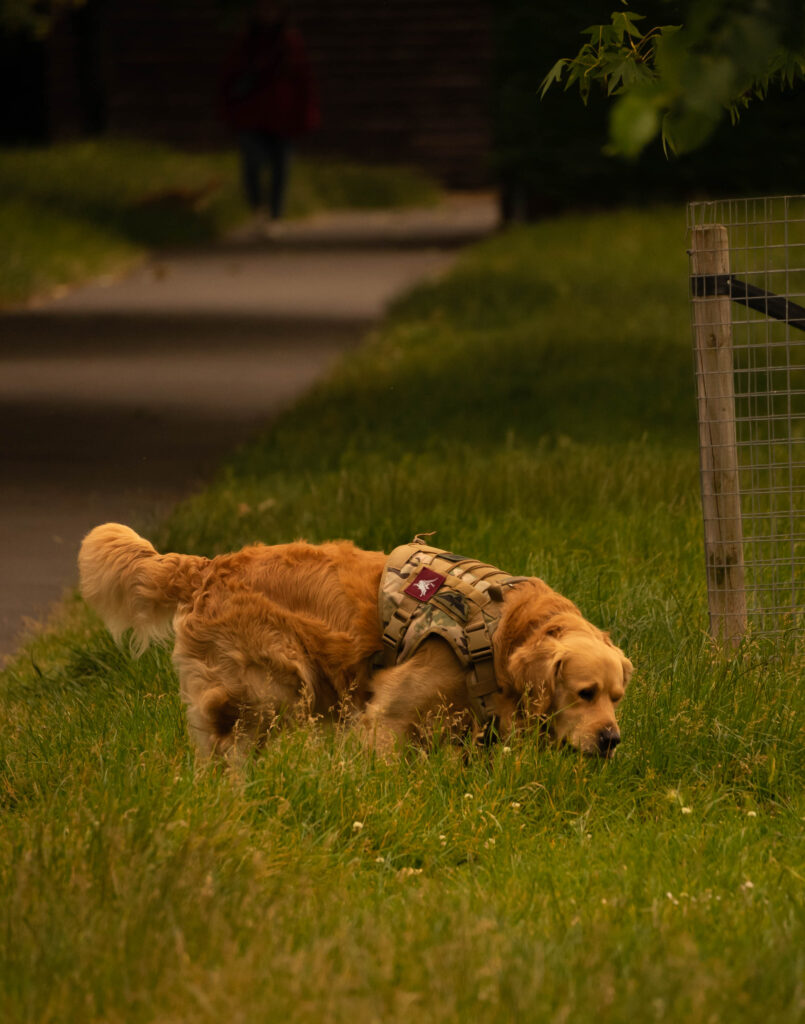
[721, 500]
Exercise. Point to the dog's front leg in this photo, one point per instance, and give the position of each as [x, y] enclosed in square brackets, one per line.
[408, 699]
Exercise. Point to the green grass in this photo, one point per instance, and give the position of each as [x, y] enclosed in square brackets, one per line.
[77, 210]
[535, 407]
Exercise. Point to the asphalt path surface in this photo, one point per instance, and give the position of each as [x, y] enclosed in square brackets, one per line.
[119, 398]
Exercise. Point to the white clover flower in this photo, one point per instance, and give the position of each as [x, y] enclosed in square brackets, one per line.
[408, 872]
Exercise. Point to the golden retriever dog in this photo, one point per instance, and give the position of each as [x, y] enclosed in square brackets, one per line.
[295, 627]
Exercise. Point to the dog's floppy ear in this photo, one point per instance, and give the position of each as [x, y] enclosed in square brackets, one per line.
[626, 665]
[534, 668]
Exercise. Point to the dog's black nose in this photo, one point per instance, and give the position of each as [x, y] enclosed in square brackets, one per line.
[608, 739]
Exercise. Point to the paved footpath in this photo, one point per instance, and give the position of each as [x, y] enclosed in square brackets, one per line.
[119, 398]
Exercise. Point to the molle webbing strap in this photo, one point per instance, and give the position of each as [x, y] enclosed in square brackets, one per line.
[395, 627]
[482, 682]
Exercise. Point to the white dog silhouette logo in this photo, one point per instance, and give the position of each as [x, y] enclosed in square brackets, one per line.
[425, 585]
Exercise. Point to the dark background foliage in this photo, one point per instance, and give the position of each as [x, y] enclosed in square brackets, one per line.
[451, 87]
[549, 154]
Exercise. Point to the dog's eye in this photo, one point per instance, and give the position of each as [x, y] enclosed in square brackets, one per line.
[588, 693]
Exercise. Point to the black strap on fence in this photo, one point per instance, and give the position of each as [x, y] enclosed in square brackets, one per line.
[708, 285]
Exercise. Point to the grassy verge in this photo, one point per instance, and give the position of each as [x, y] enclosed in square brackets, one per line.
[535, 408]
[73, 211]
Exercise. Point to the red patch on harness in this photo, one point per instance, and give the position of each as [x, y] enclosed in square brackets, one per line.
[425, 584]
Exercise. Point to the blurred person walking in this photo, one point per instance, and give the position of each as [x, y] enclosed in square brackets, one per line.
[268, 99]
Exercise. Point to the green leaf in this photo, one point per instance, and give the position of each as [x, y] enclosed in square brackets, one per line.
[688, 129]
[554, 75]
[626, 73]
[624, 23]
[633, 123]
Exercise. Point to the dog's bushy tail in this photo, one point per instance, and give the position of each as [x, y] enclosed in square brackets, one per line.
[131, 586]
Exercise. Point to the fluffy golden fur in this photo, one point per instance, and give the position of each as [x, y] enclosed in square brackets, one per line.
[294, 628]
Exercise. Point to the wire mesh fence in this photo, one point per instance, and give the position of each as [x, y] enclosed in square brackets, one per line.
[748, 310]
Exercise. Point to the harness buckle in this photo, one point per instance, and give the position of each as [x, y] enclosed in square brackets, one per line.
[394, 630]
[479, 645]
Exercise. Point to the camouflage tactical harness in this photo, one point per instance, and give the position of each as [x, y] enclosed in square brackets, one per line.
[424, 592]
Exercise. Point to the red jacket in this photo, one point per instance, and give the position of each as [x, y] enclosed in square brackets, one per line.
[266, 84]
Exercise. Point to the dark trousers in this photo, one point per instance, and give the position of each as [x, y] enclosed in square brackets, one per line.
[258, 149]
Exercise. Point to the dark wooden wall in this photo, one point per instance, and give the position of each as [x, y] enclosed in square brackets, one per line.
[399, 80]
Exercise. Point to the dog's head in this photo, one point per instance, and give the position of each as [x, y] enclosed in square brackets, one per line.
[572, 679]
